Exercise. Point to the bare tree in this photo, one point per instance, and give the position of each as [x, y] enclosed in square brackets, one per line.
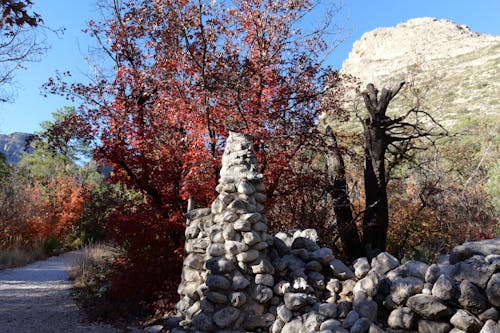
[19, 41]
[392, 139]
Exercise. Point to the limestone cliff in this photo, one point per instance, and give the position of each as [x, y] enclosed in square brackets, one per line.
[461, 67]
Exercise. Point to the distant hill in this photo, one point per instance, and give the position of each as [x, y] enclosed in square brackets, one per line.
[451, 72]
[461, 67]
[12, 145]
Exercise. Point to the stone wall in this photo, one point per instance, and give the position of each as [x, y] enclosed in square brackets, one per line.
[238, 278]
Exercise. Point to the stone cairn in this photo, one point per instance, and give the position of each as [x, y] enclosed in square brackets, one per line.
[238, 278]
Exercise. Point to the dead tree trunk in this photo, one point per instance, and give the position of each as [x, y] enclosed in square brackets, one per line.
[337, 191]
[376, 141]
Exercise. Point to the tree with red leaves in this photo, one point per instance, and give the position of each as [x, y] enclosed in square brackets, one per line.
[183, 74]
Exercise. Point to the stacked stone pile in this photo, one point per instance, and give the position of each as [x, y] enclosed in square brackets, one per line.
[322, 294]
[227, 276]
[238, 278]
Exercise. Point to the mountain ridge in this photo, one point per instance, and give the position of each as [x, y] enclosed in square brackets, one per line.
[12, 145]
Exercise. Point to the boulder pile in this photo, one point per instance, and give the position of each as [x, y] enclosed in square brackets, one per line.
[238, 278]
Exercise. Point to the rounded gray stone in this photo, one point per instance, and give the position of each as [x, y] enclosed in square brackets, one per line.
[248, 256]
[466, 321]
[493, 290]
[401, 318]
[217, 282]
[226, 316]
[429, 307]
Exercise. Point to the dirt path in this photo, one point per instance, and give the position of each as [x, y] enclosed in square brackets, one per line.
[36, 298]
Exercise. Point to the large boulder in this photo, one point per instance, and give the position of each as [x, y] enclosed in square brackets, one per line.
[467, 250]
[401, 318]
[429, 307]
[471, 298]
[493, 290]
[466, 321]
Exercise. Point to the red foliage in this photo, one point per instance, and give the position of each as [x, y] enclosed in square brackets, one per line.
[184, 74]
[151, 247]
[42, 212]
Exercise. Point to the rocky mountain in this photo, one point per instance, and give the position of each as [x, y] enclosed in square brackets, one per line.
[451, 72]
[456, 70]
[12, 145]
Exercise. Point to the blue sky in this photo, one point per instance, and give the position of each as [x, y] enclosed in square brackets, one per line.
[68, 52]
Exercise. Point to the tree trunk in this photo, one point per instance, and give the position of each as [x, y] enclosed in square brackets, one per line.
[376, 218]
[337, 191]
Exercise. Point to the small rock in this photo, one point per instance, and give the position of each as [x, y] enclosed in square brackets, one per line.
[242, 225]
[416, 269]
[401, 318]
[493, 290]
[444, 288]
[251, 237]
[429, 326]
[330, 324]
[262, 294]
[293, 326]
[429, 307]
[284, 313]
[350, 319]
[300, 284]
[264, 279]
[323, 255]
[491, 313]
[310, 234]
[219, 265]
[304, 243]
[367, 309]
[225, 317]
[216, 297]
[375, 329]
[490, 327]
[312, 321]
[295, 301]
[240, 282]
[153, 329]
[471, 299]
[403, 288]
[384, 262]
[334, 286]
[466, 321]
[263, 266]
[248, 256]
[361, 325]
[277, 326]
[368, 284]
[245, 188]
[475, 270]
[203, 322]
[314, 265]
[340, 270]
[238, 299]
[361, 267]
[433, 273]
[217, 282]
[328, 310]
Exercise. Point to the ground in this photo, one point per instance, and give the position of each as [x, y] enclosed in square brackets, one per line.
[37, 298]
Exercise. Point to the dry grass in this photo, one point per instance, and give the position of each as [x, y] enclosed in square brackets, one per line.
[94, 266]
[16, 256]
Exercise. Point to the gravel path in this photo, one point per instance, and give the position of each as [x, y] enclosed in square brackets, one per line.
[36, 298]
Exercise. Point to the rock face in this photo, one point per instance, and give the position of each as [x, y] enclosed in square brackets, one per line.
[458, 64]
[12, 145]
[385, 51]
[238, 278]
